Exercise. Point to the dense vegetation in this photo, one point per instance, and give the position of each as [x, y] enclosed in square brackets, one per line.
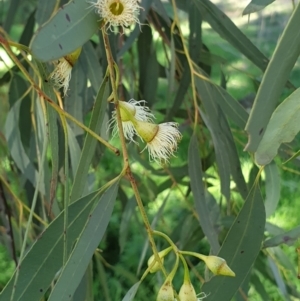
[89, 191]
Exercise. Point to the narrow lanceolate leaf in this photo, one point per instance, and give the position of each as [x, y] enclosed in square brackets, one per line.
[283, 127]
[273, 82]
[256, 5]
[86, 245]
[230, 32]
[69, 29]
[288, 237]
[45, 258]
[90, 142]
[195, 172]
[272, 188]
[240, 248]
[131, 293]
[17, 151]
[52, 125]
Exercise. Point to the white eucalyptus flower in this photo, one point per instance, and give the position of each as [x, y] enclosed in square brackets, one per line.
[161, 138]
[61, 74]
[118, 12]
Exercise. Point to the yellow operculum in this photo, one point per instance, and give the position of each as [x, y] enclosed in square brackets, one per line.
[147, 131]
[166, 292]
[127, 111]
[218, 265]
[187, 292]
[72, 58]
[157, 265]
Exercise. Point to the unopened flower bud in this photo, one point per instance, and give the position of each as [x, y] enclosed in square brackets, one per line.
[166, 292]
[218, 266]
[187, 292]
[156, 265]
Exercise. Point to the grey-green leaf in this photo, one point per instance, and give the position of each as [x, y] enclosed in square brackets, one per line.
[288, 237]
[68, 30]
[132, 291]
[283, 127]
[241, 245]
[272, 188]
[86, 245]
[256, 5]
[45, 257]
[195, 172]
[273, 82]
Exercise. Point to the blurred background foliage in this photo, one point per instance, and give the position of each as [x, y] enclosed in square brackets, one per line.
[233, 53]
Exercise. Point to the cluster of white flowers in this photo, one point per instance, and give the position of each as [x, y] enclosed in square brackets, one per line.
[161, 139]
[118, 12]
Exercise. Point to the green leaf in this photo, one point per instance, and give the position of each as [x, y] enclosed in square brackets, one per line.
[256, 5]
[283, 127]
[86, 245]
[272, 188]
[17, 151]
[223, 25]
[278, 278]
[68, 30]
[52, 132]
[90, 62]
[125, 222]
[131, 293]
[284, 58]
[90, 142]
[44, 11]
[195, 172]
[10, 15]
[240, 248]
[288, 237]
[74, 99]
[45, 257]
[259, 287]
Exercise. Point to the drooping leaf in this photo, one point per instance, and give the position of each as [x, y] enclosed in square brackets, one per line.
[256, 5]
[124, 225]
[45, 257]
[52, 125]
[272, 188]
[259, 287]
[91, 65]
[69, 29]
[282, 127]
[74, 100]
[131, 293]
[241, 245]
[44, 11]
[284, 58]
[278, 278]
[16, 147]
[90, 143]
[195, 172]
[86, 245]
[288, 237]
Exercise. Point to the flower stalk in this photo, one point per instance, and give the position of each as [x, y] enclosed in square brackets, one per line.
[111, 67]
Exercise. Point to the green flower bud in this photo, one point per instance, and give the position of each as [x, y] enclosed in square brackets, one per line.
[218, 266]
[187, 292]
[157, 266]
[166, 292]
